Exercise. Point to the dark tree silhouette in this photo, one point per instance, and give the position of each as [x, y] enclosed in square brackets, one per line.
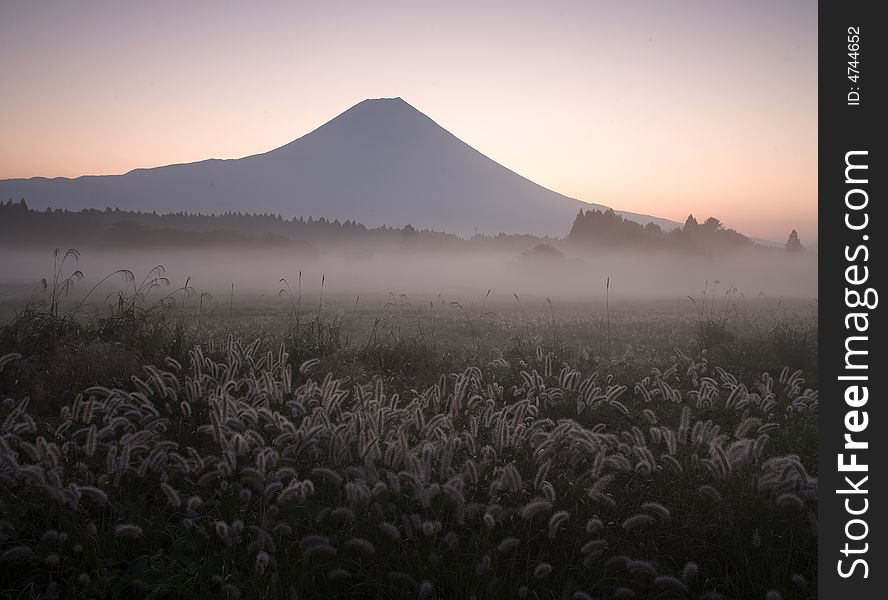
[793, 244]
[409, 233]
[606, 228]
[543, 253]
[21, 226]
[712, 224]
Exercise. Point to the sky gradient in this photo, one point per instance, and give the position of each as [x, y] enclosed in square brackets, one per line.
[666, 108]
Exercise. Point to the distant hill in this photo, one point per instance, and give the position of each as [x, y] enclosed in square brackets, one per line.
[382, 162]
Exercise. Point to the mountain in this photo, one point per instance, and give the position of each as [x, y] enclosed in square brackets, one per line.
[381, 162]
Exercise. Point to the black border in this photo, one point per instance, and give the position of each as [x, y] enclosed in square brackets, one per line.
[844, 128]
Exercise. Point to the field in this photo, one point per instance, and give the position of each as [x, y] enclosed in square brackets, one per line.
[160, 442]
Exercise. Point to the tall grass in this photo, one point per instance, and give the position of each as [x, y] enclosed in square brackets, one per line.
[427, 450]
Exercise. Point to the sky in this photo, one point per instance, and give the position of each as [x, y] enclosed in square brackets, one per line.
[666, 108]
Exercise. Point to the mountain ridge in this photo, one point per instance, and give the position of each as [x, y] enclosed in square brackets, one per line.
[381, 162]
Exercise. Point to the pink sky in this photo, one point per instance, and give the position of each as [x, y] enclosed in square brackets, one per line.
[664, 108]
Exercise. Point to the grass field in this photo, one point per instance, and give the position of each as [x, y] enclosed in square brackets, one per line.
[160, 442]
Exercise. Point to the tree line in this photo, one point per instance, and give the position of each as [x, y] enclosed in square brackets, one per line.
[605, 228]
[22, 226]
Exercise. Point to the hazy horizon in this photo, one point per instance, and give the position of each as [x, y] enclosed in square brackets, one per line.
[383, 269]
[664, 110]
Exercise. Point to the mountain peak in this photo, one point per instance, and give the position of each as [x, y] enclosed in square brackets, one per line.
[390, 99]
[383, 103]
[396, 105]
[376, 120]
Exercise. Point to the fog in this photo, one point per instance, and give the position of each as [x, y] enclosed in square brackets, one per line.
[772, 272]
